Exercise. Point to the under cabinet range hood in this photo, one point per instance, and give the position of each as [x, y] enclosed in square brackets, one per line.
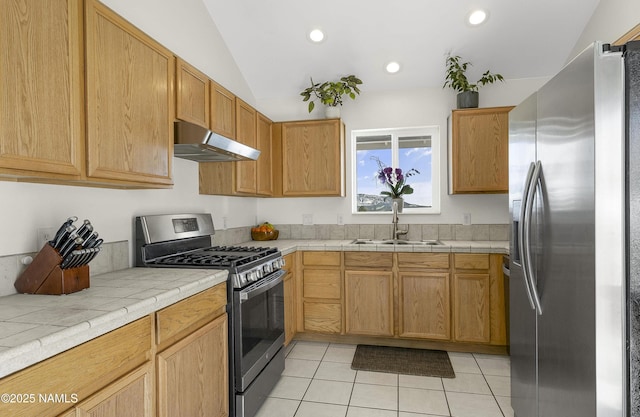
[199, 144]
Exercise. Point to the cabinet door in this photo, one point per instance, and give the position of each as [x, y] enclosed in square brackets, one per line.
[479, 149]
[130, 102]
[131, 396]
[369, 302]
[471, 307]
[223, 111]
[193, 374]
[192, 94]
[42, 111]
[264, 174]
[246, 130]
[289, 308]
[313, 158]
[424, 305]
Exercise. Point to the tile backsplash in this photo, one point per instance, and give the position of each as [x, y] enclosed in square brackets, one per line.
[115, 255]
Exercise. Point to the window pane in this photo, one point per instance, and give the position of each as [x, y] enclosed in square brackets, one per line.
[415, 153]
[368, 148]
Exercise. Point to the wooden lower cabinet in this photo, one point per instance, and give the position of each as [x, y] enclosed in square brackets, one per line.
[424, 305]
[131, 396]
[369, 302]
[420, 298]
[193, 375]
[322, 317]
[289, 298]
[321, 292]
[471, 308]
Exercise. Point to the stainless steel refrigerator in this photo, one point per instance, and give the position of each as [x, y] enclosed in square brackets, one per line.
[573, 206]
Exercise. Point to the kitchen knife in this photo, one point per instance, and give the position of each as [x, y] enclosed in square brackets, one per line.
[62, 229]
[86, 225]
[71, 259]
[62, 239]
[93, 254]
[89, 242]
[70, 245]
[95, 243]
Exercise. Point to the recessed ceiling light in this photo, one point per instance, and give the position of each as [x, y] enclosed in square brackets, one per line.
[316, 35]
[477, 17]
[392, 67]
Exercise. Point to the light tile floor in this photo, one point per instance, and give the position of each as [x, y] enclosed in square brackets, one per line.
[318, 382]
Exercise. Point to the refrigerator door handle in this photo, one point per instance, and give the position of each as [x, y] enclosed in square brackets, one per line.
[523, 249]
[528, 213]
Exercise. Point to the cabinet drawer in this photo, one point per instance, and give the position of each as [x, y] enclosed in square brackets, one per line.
[322, 317]
[368, 260]
[321, 283]
[423, 260]
[471, 260]
[321, 258]
[182, 318]
[83, 370]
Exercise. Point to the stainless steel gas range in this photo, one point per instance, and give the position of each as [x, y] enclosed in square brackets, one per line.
[255, 297]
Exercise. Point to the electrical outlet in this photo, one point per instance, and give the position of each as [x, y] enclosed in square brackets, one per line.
[45, 234]
[224, 223]
[307, 219]
[340, 220]
[466, 219]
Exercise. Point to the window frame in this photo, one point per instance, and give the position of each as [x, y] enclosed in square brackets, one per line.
[436, 143]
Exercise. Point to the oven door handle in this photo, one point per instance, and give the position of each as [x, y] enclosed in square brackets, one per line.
[262, 286]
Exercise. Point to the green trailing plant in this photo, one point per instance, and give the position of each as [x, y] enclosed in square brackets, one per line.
[457, 80]
[330, 92]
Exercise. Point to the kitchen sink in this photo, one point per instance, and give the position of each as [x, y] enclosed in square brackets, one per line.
[396, 242]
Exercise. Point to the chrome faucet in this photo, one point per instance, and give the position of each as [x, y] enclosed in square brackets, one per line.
[394, 221]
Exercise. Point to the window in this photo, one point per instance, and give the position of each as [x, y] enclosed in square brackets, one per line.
[407, 148]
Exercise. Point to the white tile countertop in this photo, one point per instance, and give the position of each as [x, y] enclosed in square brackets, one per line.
[36, 327]
[473, 246]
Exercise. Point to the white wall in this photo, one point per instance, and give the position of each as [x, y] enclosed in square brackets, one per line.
[185, 28]
[611, 20]
[420, 107]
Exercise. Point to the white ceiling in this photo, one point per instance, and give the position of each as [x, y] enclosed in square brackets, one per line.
[268, 39]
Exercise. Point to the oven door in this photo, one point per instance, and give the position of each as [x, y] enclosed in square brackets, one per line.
[258, 313]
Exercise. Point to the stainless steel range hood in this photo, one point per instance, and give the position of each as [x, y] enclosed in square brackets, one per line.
[202, 145]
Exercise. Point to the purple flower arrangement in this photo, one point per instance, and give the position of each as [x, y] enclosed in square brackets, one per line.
[394, 178]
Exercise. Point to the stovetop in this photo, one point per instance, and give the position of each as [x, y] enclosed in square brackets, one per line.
[231, 257]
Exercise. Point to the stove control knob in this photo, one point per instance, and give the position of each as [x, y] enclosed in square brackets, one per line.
[268, 268]
[259, 273]
[253, 276]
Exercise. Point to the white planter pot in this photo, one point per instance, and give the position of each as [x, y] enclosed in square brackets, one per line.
[332, 112]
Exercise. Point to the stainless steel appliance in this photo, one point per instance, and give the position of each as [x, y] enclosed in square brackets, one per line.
[573, 194]
[199, 144]
[255, 297]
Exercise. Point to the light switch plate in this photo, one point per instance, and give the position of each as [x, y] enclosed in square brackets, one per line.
[45, 234]
[307, 219]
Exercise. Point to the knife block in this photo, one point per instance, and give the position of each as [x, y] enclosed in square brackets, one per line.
[44, 275]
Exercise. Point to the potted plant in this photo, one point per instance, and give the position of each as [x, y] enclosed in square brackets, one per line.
[330, 93]
[457, 80]
[396, 181]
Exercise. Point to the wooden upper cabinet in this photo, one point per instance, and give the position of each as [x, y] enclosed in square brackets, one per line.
[246, 133]
[310, 158]
[42, 111]
[130, 101]
[479, 150]
[192, 94]
[222, 111]
[264, 180]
